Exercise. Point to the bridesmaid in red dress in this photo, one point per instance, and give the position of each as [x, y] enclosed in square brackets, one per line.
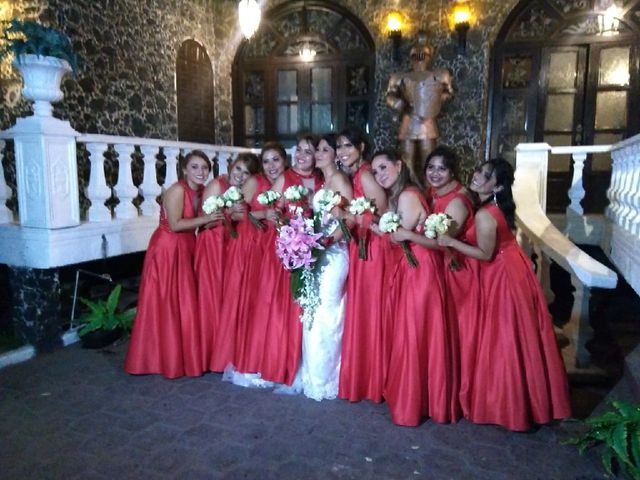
[518, 378]
[448, 195]
[166, 331]
[417, 384]
[211, 250]
[363, 364]
[274, 333]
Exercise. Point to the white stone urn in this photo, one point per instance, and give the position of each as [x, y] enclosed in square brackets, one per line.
[42, 77]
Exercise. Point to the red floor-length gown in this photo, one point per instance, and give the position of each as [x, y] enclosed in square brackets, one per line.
[363, 363]
[518, 377]
[240, 287]
[459, 286]
[166, 330]
[274, 333]
[209, 264]
[418, 380]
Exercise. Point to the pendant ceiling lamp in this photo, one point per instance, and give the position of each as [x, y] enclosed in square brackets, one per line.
[249, 17]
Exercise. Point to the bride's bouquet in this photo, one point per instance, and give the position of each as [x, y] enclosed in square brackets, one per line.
[366, 207]
[326, 201]
[390, 222]
[298, 247]
[438, 224]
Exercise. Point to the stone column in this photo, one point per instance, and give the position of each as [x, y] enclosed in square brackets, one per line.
[36, 306]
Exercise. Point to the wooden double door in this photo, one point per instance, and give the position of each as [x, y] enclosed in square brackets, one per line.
[567, 90]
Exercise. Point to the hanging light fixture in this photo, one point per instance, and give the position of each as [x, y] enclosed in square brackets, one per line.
[249, 17]
[307, 53]
[608, 20]
[461, 18]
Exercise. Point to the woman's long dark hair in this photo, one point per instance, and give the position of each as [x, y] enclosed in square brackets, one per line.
[504, 198]
[357, 137]
[403, 180]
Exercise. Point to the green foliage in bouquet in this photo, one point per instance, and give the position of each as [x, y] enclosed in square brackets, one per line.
[103, 315]
[618, 432]
[24, 37]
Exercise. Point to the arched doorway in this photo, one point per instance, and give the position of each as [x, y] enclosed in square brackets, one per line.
[277, 92]
[563, 75]
[194, 90]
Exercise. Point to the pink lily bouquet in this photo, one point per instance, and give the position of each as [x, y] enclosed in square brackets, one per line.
[438, 224]
[366, 207]
[326, 200]
[390, 222]
[298, 247]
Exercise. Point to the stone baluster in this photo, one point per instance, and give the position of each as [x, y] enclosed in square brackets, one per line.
[150, 188]
[578, 329]
[97, 191]
[634, 200]
[626, 191]
[224, 159]
[576, 193]
[125, 190]
[211, 154]
[613, 192]
[6, 215]
[171, 161]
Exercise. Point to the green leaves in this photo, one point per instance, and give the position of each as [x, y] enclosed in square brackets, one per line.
[619, 432]
[103, 315]
[23, 37]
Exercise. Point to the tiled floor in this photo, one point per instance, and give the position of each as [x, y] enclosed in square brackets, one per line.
[76, 414]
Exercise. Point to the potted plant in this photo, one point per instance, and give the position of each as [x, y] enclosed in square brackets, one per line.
[43, 56]
[103, 324]
[617, 433]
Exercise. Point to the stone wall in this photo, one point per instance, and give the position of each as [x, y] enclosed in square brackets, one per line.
[126, 85]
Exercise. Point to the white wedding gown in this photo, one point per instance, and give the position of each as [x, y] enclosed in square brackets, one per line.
[319, 370]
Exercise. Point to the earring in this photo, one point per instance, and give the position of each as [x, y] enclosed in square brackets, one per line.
[339, 164]
[495, 200]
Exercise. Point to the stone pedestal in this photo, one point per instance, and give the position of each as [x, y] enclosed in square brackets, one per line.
[46, 172]
[36, 306]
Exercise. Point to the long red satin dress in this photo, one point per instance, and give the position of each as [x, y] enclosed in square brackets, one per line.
[518, 377]
[209, 263]
[274, 334]
[166, 331]
[363, 360]
[240, 287]
[459, 293]
[418, 380]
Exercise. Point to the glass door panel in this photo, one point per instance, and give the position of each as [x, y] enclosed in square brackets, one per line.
[287, 102]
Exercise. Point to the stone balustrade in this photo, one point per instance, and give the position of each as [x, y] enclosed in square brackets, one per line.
[621, 241]
[43, 243]
[537, 233]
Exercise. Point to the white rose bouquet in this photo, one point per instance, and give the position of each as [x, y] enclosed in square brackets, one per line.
[439, 224]
[216, 203]
[364, 207]
[390, 222]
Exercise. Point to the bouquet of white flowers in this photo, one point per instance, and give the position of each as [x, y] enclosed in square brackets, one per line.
[436, 224]
[439, 224]
[232, 196]
[390, 222]
[326, 201]
[215, 203]
[212, 204]
[296, 193]
[268, 198]
[366, 207]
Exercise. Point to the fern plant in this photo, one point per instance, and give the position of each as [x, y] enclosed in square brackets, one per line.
[23, 37]
[618, 431]
[103, 315]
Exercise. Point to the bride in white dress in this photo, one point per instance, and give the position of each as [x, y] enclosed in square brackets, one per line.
[322, 338]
